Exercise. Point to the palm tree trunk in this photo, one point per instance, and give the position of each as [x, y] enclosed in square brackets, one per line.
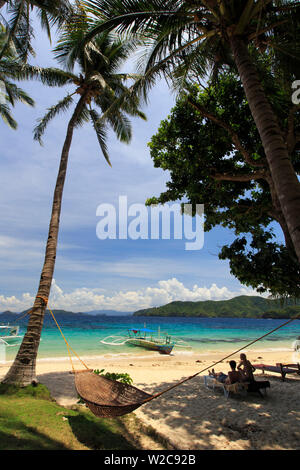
[23, 369]
[283, 174]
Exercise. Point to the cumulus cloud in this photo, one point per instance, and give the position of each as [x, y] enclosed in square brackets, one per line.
[85, 299]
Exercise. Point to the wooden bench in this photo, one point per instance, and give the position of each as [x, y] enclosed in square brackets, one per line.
[279, 368]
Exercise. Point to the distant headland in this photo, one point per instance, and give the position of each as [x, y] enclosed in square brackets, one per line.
[243, 306]
[101, 313]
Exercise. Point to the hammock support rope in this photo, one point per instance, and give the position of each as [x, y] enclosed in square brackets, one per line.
[108, 398]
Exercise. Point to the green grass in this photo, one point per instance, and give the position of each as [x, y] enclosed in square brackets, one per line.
[31, 420]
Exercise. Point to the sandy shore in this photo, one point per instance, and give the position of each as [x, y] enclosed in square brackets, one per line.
[191, 416]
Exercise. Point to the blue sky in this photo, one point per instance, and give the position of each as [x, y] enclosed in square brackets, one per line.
[93, 274]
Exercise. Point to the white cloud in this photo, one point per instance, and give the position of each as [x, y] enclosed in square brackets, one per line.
[85, 299]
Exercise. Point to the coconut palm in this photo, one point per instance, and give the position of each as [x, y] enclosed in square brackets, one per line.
[19, 24]
[10, 93]
[191, 38]
[98, 84]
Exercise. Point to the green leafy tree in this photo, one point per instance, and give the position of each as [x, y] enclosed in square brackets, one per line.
[213, 152]
[97, 85]
[189, 39]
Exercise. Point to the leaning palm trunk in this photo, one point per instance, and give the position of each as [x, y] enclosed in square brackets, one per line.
[285, 180]
[23, 369]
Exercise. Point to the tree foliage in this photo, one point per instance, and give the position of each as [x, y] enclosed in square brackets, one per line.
[210, 145]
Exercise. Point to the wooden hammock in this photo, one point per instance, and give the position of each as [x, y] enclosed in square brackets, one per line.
[109, 398]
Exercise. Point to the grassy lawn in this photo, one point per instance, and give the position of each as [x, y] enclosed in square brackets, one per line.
[31, 420]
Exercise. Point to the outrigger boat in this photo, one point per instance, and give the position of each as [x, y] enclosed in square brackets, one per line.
[9, 335]
[144, 338]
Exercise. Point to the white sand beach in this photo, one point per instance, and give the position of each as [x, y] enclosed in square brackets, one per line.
[191, 416]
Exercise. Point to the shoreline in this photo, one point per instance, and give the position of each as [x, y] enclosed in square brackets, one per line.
[186, 358]
[153, 354]
[150, 368]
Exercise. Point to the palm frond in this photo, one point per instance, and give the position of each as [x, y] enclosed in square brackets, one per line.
[21, 32]
[45, 22]
[121, 126]
[58, 12]
[100, 130]
[7, 117]
[15, 93]
[49, 76]
[17, 15]
[83, 117]
[61, 106]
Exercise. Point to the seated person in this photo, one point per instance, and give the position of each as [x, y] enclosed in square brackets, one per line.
[232, 377]
[246, 369]
[219, 376]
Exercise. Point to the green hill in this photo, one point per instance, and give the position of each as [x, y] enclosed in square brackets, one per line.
[243, 306]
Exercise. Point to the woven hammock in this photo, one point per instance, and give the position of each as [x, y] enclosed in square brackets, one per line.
[108, 398]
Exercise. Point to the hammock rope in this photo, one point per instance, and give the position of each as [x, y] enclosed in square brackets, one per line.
[115, 398]
[69, 348]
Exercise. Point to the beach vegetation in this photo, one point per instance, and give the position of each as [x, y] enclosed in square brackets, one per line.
[187, 41]
[123, 377]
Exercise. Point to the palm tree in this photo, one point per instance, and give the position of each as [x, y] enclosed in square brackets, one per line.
[10, 93]
[191, 38]
[19, 25]
[97, 85]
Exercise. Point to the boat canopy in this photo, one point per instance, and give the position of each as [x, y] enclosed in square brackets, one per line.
[144, 330]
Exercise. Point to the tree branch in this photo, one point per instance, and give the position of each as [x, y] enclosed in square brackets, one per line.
[257, 175]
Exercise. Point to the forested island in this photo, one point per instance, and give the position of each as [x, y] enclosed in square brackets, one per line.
[243, 306]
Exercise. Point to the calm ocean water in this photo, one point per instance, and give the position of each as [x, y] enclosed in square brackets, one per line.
[84, 334]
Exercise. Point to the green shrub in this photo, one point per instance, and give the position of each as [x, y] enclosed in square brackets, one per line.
[124, 378]
[37, 391]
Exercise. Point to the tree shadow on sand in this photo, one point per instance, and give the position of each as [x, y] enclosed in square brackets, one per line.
[192, 416]
[61, 386]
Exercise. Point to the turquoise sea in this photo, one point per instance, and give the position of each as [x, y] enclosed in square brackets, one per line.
[84, 333]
